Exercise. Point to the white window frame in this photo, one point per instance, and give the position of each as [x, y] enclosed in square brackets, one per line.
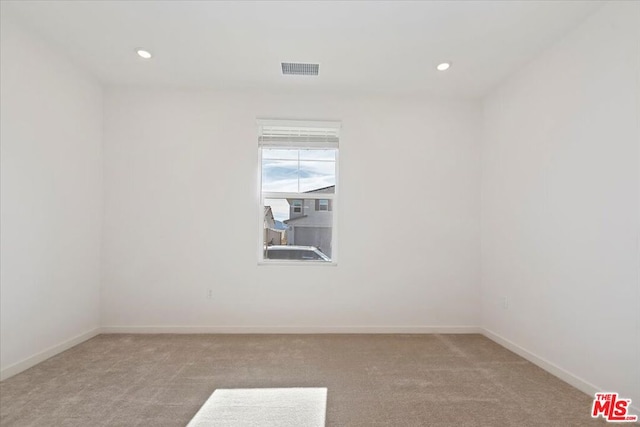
[300, 143]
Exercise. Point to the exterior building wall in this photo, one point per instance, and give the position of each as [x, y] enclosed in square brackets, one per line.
[310, 227]
[272, 237]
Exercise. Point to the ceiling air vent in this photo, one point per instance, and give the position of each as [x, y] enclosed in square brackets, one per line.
[295, 69]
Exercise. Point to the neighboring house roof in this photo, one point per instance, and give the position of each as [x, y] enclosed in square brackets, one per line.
[268, 213]
[329, 189]
[270, 221]
[287, 221]
[268, 217]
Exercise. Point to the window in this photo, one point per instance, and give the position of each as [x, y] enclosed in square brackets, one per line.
[298, 190]
[322, 205]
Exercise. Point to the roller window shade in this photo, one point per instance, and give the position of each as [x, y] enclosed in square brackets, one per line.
[302, 134]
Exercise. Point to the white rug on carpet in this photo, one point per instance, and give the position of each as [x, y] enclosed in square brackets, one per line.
[264, 407]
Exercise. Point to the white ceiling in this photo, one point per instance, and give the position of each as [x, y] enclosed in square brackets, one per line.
[375, 46]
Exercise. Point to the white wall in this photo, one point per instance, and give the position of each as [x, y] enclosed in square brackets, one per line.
[560, 215]
[181, 210]
[560, 208]
[51, 191]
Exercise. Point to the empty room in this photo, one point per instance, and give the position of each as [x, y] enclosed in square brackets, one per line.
[319, 213]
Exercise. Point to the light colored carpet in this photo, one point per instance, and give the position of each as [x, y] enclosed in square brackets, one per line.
[372, 380]
[264, 407]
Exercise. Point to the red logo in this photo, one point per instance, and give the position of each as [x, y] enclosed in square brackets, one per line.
[611, 408]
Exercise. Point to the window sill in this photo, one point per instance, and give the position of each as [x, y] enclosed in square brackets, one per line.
[299, 263]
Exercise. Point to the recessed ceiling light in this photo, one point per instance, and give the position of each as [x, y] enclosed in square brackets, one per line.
[444, 66]
[145, 54]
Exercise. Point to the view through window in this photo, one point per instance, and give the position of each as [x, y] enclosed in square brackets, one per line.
[298, 193]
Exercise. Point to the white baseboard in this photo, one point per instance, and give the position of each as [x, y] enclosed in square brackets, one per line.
[550, 367]
[566, 376]
[291, 330]
[27, 363]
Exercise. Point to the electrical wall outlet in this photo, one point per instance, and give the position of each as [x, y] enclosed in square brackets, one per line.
[209, 293]
[505, 303]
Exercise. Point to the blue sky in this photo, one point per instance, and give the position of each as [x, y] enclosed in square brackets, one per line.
[295, 171]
